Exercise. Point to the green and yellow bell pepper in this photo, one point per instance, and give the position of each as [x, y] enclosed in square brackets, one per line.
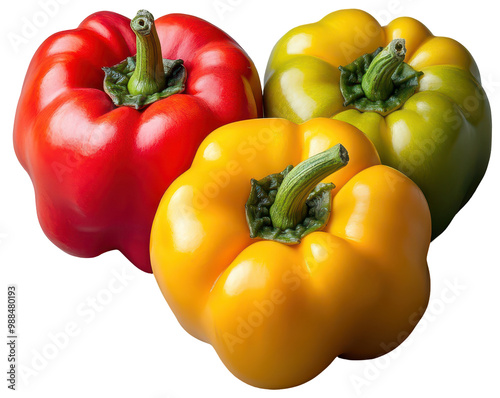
[416, 96]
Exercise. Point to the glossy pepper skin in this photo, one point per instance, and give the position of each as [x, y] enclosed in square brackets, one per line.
[440, 137]
[278, 314]
[99, 170]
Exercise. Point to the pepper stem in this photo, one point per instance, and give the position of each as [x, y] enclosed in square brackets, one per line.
[289, 208]
[377, 83]
[149, 76]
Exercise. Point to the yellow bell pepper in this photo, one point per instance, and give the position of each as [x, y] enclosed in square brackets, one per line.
[278, 308]
[419, 100]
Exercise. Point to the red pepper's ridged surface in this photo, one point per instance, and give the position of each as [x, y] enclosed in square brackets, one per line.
[99, 171]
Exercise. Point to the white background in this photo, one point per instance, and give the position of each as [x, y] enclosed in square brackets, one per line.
[133, 346]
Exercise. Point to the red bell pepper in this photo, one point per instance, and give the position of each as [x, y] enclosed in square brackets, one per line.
[99, 170]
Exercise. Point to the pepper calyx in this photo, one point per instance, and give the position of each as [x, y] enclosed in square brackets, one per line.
[117, 77]
[287, 206]
[379, 82]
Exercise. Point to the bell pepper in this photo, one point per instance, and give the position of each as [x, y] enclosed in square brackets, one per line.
[102, 145]
[416, 96]
[284, 268]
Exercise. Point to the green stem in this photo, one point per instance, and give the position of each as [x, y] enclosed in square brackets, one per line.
[149, 76]
[289, 208]
[377, 83]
